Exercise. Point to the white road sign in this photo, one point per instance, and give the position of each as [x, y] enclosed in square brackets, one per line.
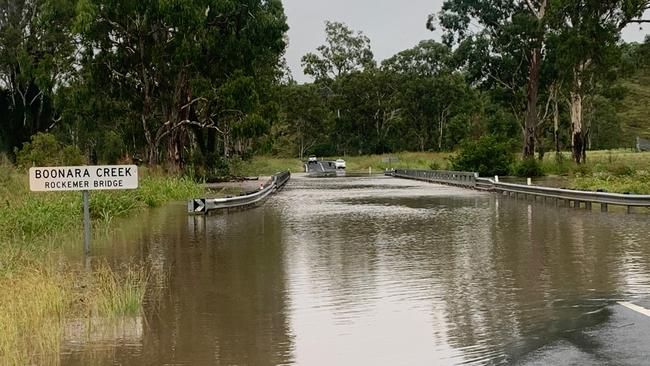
[82, 178]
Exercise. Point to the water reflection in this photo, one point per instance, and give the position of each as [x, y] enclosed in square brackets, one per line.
[381, 271]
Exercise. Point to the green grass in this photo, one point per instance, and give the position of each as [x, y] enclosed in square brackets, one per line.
[406, 160]
[117, 294]
[39, 287]
[31, 316]
[618, 171]
[267, 165]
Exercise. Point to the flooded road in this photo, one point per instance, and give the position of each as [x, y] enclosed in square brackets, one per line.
[382, 271]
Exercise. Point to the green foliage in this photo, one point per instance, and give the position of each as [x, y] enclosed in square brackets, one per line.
[344, 53]
[111, 148]
[435, 165]
[488, 156]
[637, 183]
[36, 57]
[528, 168]
[29, 215]
[582, 170]
[118, 293]
[45, 150]
[428, 58]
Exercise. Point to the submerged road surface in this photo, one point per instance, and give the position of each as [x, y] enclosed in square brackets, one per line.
[373, 270]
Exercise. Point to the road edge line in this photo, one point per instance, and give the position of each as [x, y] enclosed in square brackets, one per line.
[637, 308]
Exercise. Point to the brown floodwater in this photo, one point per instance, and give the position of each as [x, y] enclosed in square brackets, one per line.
[369, 270]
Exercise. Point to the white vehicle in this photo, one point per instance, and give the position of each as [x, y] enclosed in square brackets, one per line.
[339, 164]
[312, 158]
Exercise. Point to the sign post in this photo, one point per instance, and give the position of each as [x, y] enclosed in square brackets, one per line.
[84, 178]
[86, 194]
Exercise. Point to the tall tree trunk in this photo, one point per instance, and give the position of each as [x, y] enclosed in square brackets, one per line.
[578, 141]
[556, 128]
[440, 124]
[577, 136]
[530, 126]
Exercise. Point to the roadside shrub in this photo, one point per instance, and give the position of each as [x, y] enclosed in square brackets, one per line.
[620, 169]
[236, 166]
[582, 170]
[526, 168]
[488, 156]
[71, 155]
[45, 150]
[434, 165]
[559, 165]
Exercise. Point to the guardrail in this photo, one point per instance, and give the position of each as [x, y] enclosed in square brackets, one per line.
[462, 179]
[204, 205]
[559, 195]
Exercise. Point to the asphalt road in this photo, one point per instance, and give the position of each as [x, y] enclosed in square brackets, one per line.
[623, 339]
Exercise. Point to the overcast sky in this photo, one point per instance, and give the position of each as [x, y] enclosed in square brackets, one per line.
[391, 25]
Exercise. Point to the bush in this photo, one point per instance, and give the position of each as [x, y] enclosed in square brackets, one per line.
[488, 156]
[621, 170]
[434, 165]
[111, 148]
[526, 168]
[45, 150]
[582, 170]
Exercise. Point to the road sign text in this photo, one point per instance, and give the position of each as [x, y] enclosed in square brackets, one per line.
[78, 178]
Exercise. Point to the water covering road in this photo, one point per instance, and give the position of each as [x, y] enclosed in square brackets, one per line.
[373, 270]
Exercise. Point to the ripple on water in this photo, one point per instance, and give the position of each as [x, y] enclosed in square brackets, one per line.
[380, 271]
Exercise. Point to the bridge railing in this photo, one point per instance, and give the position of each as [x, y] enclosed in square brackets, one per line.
[204, 205]
[464, 179]
[568, 196]
[576, 196]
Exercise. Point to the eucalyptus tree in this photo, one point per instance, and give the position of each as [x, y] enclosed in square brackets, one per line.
[369, 107]
[308, 117]
[585, 37]
[504, 41]
[344, 52]
[431, 92]
[36, 58]
[428, 58]
[184, 65]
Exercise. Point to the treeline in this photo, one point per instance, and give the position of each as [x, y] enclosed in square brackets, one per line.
[167, 82]
[198, 82]
[545, 76]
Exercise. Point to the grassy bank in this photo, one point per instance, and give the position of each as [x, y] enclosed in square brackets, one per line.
[611, 170]
[40, 287]
[621, 170]
[267, 165]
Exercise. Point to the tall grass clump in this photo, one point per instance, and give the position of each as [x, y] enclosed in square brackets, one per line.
[118, 293]
[31, 316]
[40, 290]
